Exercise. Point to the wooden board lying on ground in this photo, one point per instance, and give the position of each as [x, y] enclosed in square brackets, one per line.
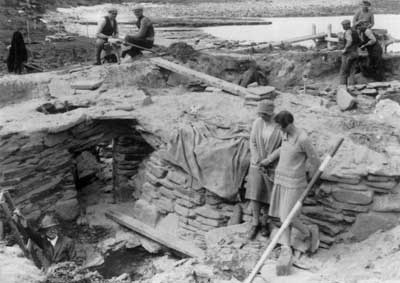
[164, 239]
[210, 80]
[284, 42]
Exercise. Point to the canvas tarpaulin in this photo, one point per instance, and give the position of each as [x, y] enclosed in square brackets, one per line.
[218, 158]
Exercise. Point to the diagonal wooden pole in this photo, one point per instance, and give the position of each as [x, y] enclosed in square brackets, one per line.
[293, 212]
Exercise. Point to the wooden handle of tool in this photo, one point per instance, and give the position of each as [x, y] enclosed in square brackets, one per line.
[293, 213]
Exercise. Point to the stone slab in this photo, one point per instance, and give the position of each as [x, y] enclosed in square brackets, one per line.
[344, 99]
[209, 212]
[388, 185]
[176, 177]
[369, 91]
[262, 90]
[157, 171]
[146, 212]
[386, 203]
[184, 211]
[169, 194]
[353, 197]
[368, 223]
[319, 212]
[67, 210]
[210, 222]
[357, 187]
[347, 180]
[185, 203]
[86, 84]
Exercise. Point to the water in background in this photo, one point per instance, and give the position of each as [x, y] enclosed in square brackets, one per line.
[280, 29]
[286, 28]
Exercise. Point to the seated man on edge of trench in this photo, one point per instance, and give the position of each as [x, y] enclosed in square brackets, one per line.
[350, 51]
[143, 38]
[106, 30]
[48, 245]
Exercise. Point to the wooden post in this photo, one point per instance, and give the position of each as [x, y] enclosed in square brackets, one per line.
[329, 32]
[6, 205]
[28, 31]
[313, 29]
[1, 230]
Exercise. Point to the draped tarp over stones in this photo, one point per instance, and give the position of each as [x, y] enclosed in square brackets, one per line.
[217, 158]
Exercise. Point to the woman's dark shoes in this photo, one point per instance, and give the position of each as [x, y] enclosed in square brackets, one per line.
[314, 238]
[253, 232]
[265, 231]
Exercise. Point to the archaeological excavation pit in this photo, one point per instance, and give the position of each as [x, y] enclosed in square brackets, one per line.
[147, 188]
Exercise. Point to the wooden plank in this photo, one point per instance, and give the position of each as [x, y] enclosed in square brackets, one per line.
[284, 42]
[210, 80]
[8, 215]
[332, 39]
[164, 239]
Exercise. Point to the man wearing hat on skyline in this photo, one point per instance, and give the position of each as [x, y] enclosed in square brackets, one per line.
[145, 35]
[48, 245]
[364, 15]
[106, 30]
[350, 51]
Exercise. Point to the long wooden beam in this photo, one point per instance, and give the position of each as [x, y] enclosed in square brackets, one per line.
[7, 205]
[287, 41]
[164, 239]
[213, 81]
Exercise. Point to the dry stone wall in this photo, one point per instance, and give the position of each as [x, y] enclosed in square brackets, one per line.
[39, 169]
[344, 201]
[345, 207]
[128, 153]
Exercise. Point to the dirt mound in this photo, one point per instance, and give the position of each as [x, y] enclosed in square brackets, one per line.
[181, 51]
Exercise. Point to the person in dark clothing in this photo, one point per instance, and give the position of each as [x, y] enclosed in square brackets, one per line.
[350, 53]
[18, 54]
[107, 29]
[48, 246]
[144, 37]
[370, 43]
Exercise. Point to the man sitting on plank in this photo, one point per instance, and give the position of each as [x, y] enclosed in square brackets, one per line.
[106, 30]
[144, 37]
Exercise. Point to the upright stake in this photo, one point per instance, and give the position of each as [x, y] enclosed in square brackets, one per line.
[329, 32]
[313, 29]
[292, 213]
[28, 31]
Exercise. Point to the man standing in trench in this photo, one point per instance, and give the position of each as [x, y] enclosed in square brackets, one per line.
[48, 245]
[350, 51]
[106, 30]
[145, 35]
[370, 43]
